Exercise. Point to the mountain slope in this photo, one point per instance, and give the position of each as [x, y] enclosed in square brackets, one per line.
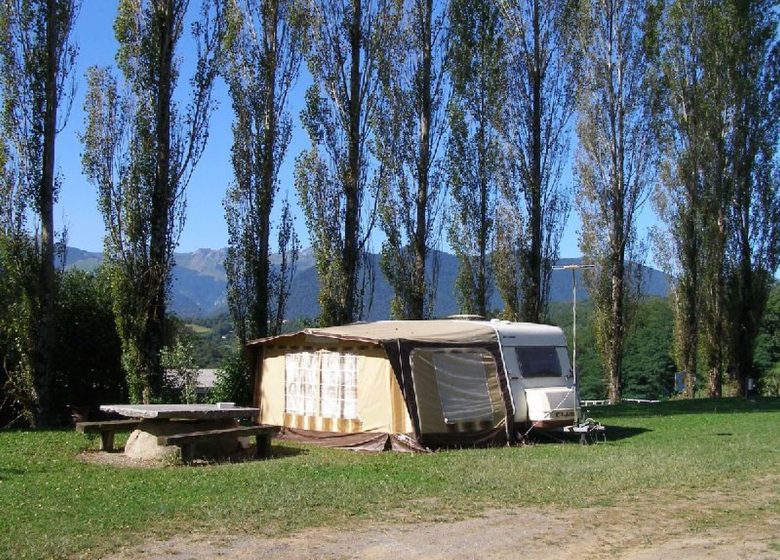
[199, 284]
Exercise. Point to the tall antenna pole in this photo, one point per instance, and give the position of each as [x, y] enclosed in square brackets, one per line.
[574, 325]
[574, 268]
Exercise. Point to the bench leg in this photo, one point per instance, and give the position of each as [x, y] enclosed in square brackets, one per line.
[263, 447]
[188, 452]
[106, 441]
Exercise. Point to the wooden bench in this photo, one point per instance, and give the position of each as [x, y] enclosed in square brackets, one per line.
[106, 428]
[187, 441]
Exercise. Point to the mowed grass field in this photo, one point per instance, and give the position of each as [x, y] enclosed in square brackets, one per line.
[54, 504]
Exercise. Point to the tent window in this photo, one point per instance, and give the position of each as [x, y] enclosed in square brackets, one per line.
[538, 361]
[462, 380]
[301, 382]
[323, 383]
[338, 395]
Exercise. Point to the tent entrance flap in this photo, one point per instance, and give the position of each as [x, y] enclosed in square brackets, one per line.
[456, 387]
[457, 394]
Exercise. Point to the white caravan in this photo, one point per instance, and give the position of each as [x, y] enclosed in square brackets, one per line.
[542, 382]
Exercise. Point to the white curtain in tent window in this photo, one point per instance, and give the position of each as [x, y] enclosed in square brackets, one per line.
[338, 390]
[301, 382]
[323, 383]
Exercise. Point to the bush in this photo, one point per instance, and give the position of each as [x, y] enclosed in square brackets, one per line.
[233, 380]
[87, 350]
[181, 371]
[18, 282]
[770, 382]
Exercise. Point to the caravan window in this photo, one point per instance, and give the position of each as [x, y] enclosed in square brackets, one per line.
[538, 361]
[321, 384]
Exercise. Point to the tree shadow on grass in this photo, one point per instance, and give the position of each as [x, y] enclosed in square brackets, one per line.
[688, 406]
[610, 433]
[5, 472]
[249, 455]
[285, 451]
[617, 433]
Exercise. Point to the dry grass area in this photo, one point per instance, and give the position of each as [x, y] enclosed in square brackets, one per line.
[723, 525]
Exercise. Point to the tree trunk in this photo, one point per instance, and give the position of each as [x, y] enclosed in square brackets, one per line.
[163, 199]
[481, 284]
[690, 297]
[484, 231]
[716, 366]
[689, 337]
[533, 269]
[45, 330]
[716, 358]
[748, 305]
[616, 329]
[745, 328]
[350, 253]
[418, 292]
[266, 194]
[619, 233]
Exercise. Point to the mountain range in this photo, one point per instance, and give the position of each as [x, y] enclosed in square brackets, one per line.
[199, 284]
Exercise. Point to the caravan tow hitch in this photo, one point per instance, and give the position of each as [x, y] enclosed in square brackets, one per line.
[589, 431]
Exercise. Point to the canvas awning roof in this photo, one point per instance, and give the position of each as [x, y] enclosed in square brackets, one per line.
[383, 332]
[416, 378]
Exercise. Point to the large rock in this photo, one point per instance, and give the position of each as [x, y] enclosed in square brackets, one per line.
[142, 443]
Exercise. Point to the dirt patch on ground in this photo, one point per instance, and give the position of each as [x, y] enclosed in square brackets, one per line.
[120, 460]
[116, 459]
[713, 526]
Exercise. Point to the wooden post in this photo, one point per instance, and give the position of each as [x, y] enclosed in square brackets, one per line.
[263, 447]
[107, 440]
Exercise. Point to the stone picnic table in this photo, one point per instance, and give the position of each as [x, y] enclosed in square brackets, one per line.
[203, 430]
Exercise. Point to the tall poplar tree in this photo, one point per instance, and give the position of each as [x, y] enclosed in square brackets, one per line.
[474, 152]
[679, 199]
[37, 57]
[753, 254]
[410, 129]
[720, 200]
[535, 205]
[614, 164]
[262, 56]
[336, 179]
[717, 197]
[140, 150]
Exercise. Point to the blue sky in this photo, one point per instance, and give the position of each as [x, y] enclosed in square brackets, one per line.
[205, 225]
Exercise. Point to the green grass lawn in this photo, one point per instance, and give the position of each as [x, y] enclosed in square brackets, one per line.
[55, 505]
[198, 329]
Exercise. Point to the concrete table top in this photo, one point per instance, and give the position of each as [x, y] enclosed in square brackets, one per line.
[181, 411]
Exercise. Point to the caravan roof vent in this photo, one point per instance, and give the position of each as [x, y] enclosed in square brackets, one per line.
[467, 317]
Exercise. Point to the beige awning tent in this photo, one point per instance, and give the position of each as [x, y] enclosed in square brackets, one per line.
[405, 385]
